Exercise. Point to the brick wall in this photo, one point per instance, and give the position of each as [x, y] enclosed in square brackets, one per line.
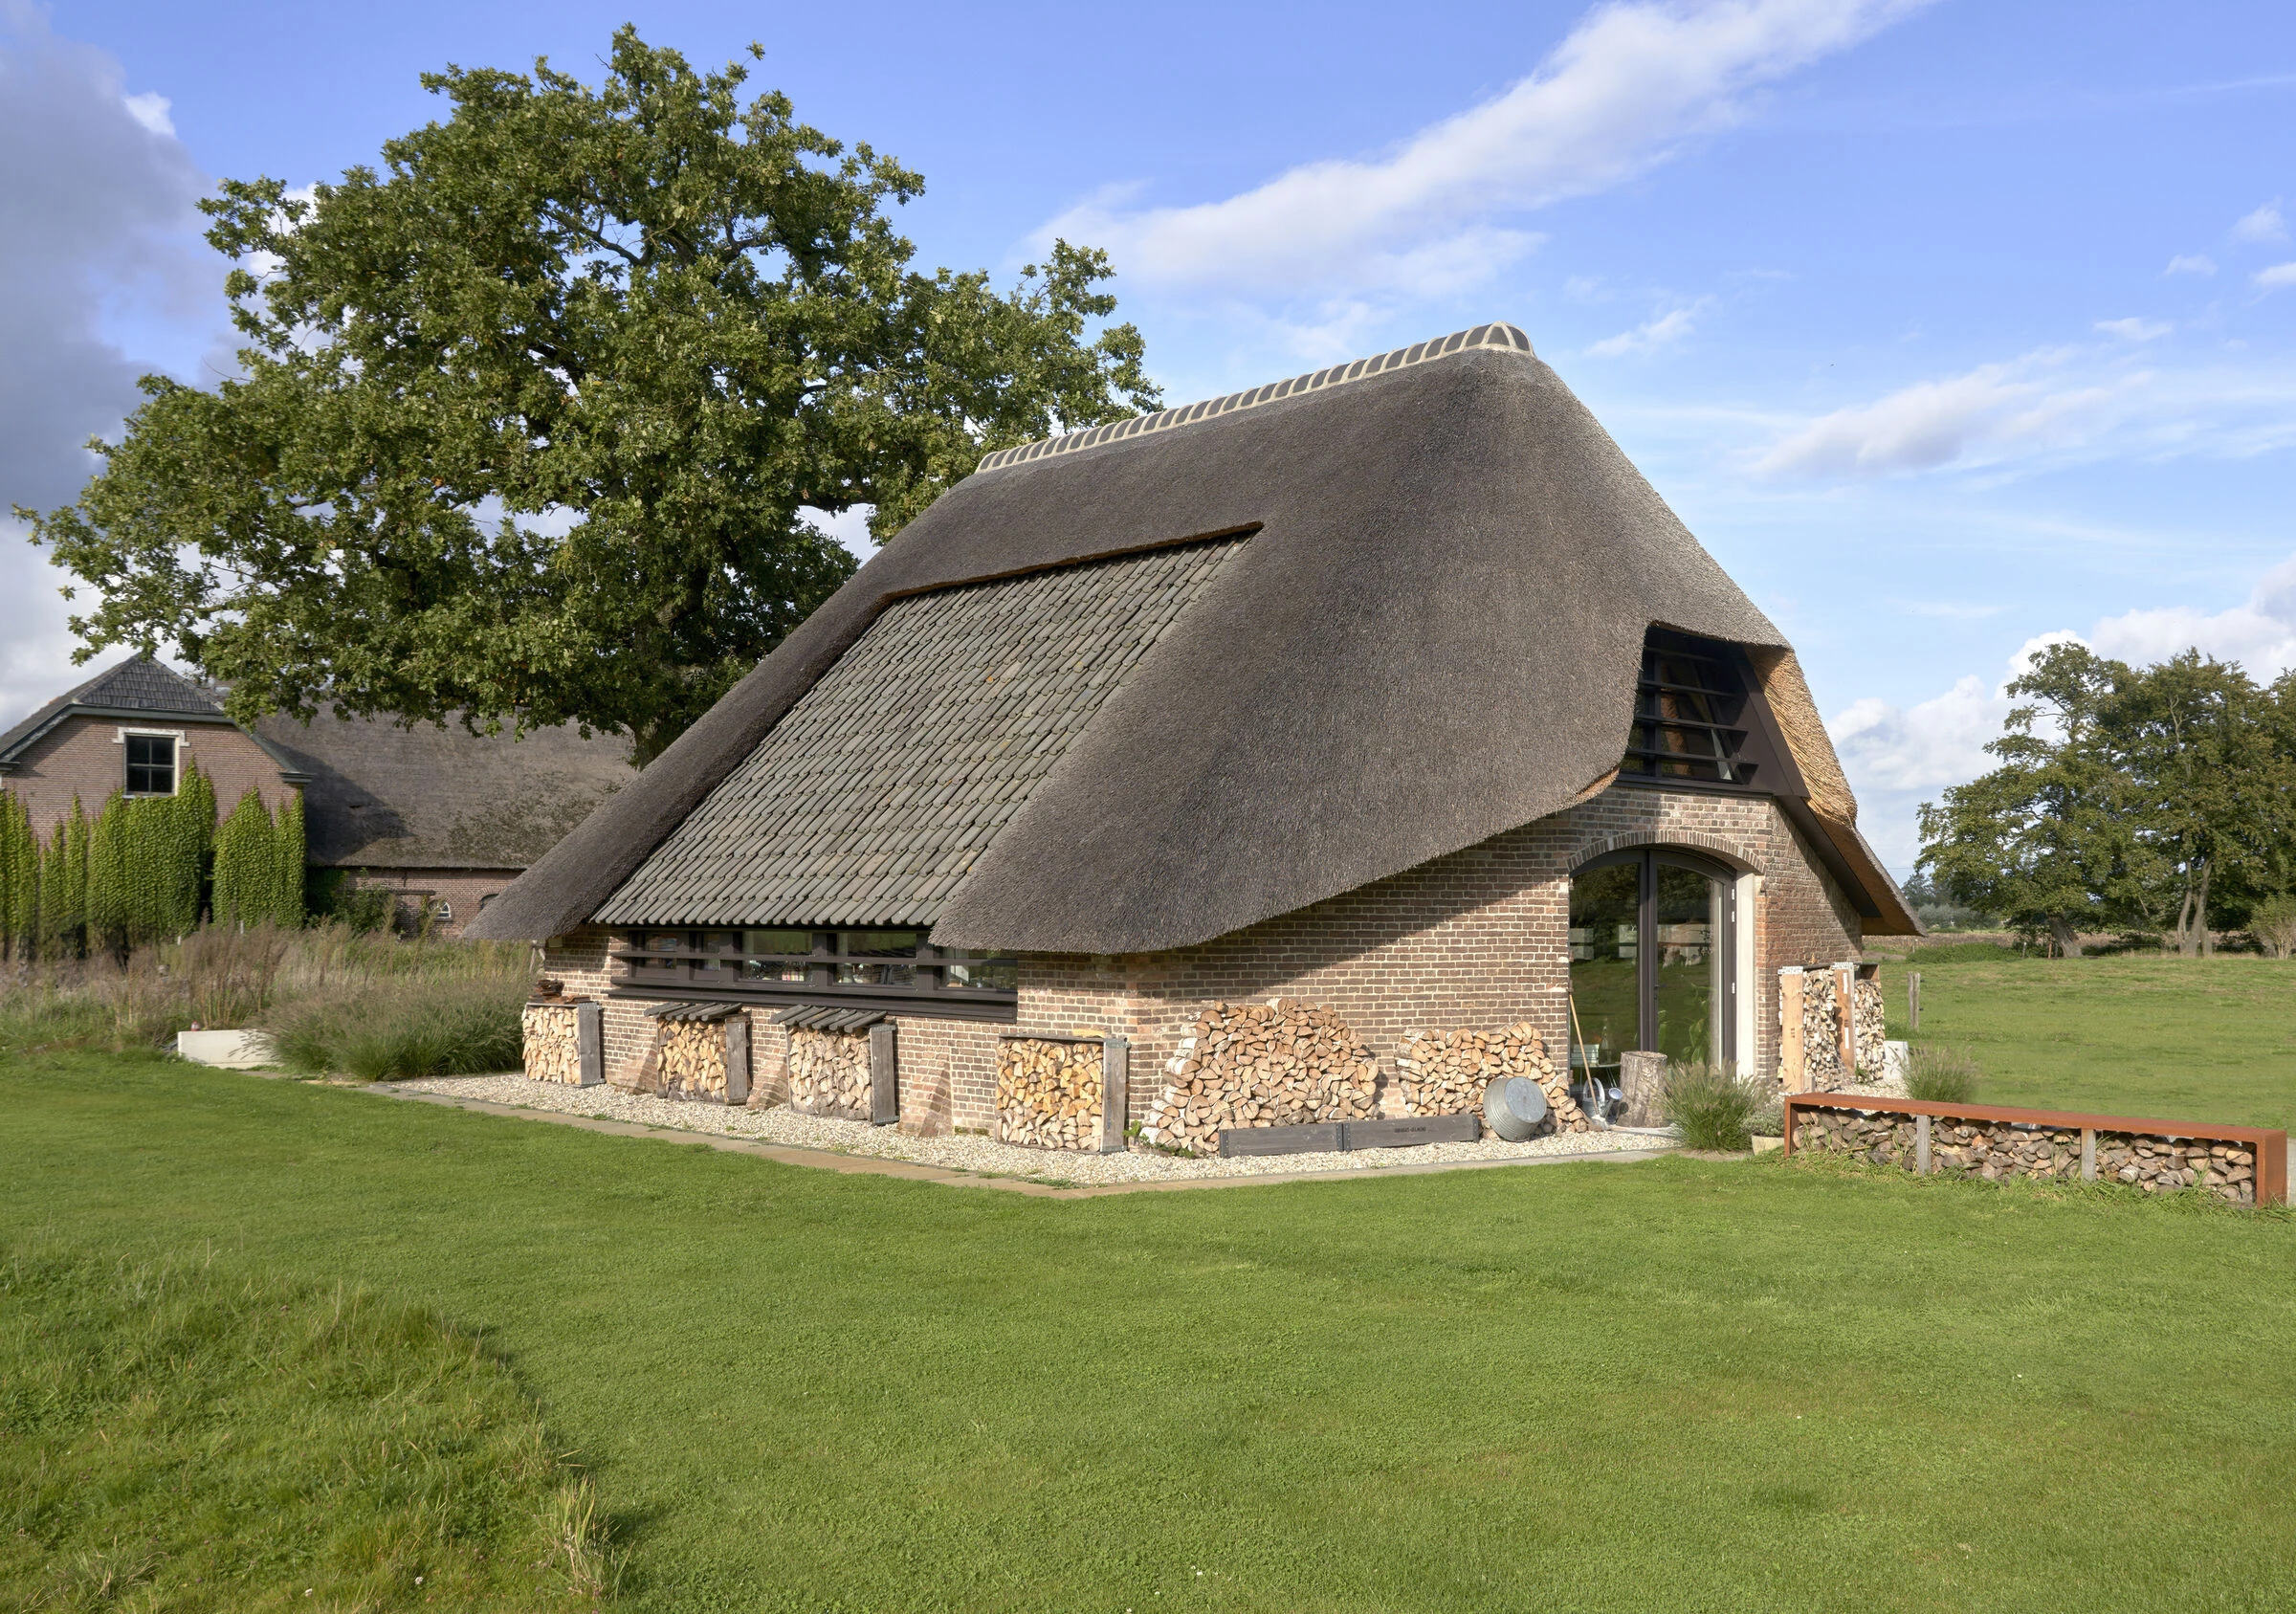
[84, 755]
[1475, 939]
[462, 889]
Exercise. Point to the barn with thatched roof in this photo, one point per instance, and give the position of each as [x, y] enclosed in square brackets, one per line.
[1394, 689]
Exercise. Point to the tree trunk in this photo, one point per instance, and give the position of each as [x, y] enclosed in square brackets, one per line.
[2068, 939]
[2208, 940]
[2192, 914]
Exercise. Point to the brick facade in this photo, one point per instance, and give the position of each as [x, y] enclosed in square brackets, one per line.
[1477, 939]
[462, 890]
[85, 756]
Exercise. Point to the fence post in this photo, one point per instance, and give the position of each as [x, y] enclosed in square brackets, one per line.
[1793, 1063]
[1914, 1000]
[589, 1043]
[1116, 1092]
[1921, 1145]
[884, 1076]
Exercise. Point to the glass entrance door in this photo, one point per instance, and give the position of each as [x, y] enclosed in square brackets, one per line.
[1652, 945]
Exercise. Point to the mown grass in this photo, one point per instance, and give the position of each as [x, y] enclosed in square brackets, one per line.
[2188, 1039]
[1682, 1387]
[178, 1434]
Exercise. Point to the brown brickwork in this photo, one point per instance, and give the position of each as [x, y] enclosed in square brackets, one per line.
[1477, 939]
[83, 755]
[462, 889]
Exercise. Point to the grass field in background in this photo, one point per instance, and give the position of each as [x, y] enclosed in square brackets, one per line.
[1689, 1386]
[2184, 1039]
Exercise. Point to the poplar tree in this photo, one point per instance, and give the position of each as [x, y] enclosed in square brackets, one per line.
[244, 864]
[108, 908]
[19, 879]
[287, 865]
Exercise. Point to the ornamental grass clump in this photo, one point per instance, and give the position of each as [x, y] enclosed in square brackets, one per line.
[1713, 1106]
[1943, 1075]
[393, 1029]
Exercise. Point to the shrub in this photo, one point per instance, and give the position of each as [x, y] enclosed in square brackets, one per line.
[392, 1030]
[1713, 1106]
[2273, 924]
[1943, 1075]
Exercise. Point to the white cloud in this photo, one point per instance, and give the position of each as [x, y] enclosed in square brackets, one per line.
[2261, 635]
[2136, 330]
[1632, 84]
[1992, 412]
[2049, 407]
[2262, 225]
[1651, 335]
[2277, 277]
[2199, 263]
[150, 111]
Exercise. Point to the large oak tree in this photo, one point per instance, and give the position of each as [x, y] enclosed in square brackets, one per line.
[529, 419]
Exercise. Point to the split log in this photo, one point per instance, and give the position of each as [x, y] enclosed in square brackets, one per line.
[553, 1052]
[829, 1073]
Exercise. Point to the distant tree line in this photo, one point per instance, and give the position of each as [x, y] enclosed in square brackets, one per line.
[2159, 800]
[145, 868]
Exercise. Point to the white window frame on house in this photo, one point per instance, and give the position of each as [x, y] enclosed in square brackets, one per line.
[175, 759]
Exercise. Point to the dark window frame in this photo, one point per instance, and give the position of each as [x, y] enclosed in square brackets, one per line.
[170, 744]
[713, 964]
[1649, 858]
[1723, 708]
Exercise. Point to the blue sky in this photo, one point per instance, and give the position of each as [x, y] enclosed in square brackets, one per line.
[1947, 327]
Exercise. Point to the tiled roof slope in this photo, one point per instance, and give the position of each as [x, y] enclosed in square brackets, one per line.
[870, 801]
[138, 685]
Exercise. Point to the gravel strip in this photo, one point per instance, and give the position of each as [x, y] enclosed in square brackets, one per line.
[783, 1125]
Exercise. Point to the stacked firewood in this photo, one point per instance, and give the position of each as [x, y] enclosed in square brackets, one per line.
[552, 1054]
[829, 1073]
[1280, 1063]
[1870, 1026]
[1820, 1032]
[1443, 1073]
[1048, 1093]
[690, 1060]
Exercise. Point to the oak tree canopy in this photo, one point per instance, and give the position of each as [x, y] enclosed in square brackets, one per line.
[528, 420]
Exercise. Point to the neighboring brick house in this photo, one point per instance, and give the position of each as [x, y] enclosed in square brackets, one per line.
[431, 813]
[136, 726]
[1393, 687]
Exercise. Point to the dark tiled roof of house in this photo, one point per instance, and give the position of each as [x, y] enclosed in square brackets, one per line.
[138, 685]
[1433, 636]
[870, 801]
[380, 796]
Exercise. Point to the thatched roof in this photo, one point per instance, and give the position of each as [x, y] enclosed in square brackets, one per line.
[382, 796]
[1432, 636]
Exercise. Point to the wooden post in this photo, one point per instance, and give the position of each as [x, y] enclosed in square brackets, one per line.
[736, 1058]
[1792, 1065]
[1116, 1094]
[589, 1042]
[2088, 1154]
[1921, 1145]
[1914, 1000]
[1845, 1020]
[884, 1076]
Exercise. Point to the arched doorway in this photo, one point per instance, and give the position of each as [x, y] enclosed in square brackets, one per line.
[1654, 944]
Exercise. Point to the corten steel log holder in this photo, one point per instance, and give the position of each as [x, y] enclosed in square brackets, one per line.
[2269, 1144]
[589, 1043]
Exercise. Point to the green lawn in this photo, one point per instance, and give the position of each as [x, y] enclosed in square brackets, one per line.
[2187, 1039]
[1687, 1385]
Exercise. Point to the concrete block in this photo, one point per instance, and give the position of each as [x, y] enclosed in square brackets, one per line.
[230, 1051]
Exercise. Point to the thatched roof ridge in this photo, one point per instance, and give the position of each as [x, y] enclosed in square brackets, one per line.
[1433, 637]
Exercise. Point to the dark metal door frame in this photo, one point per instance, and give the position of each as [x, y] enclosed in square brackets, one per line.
[1648, 859]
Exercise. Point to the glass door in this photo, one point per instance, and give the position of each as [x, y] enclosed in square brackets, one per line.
[1652, 944]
